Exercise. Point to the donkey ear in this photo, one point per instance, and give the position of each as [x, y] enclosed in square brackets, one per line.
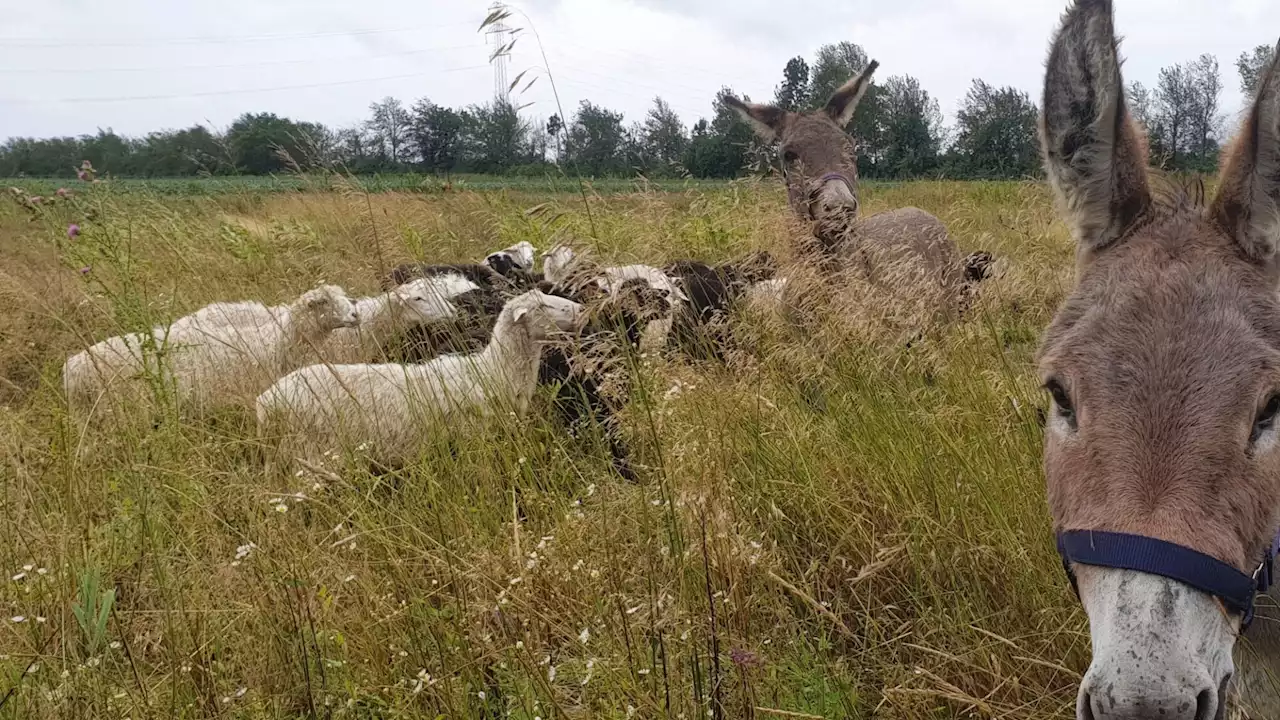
[1248, 202]
[767, 120]
[1094, 155]
[844, 102]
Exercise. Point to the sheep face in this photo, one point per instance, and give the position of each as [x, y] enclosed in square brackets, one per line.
[517, 257]
[330, 308]
[544, 315]
[556, 262]
[421, 301]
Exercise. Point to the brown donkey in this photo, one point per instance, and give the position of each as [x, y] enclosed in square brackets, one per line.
[1162, 451]
[821, 171]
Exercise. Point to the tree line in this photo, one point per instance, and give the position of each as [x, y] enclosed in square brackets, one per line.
[898, 126]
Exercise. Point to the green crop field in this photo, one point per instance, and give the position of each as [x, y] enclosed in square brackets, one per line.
[834, 523]
[256, 184]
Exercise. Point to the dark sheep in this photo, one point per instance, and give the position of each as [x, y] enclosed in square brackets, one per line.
[592, 387]
[697, 329]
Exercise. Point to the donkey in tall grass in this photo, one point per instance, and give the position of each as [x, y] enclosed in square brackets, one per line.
[1162, 450]
[821, 171]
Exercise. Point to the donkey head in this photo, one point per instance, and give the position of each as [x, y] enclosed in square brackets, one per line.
[1164, 368]
[817, 155]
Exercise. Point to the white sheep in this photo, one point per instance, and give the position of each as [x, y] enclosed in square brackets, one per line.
[395, 408]
[557, 263]
[418, 302]
[219, 355]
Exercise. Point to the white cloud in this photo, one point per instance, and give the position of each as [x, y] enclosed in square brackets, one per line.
[326, 60]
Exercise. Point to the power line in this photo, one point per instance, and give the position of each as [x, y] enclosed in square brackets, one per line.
[208, 40]
[300, 61]
[213, 93]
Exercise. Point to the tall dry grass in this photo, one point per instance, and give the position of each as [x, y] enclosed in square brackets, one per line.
[846, 522]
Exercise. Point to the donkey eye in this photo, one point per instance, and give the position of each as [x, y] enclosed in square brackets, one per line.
[1062, 401]
[1266, 417]
[789, 157]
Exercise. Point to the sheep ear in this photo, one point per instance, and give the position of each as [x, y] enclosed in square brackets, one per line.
[767, 120]
[844, 102]
[519, 314]
[1094, 155]
[1247, 205]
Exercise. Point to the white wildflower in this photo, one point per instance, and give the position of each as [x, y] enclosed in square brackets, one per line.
[115, 645]
[19, 577]
[585, 636]
[18, 618]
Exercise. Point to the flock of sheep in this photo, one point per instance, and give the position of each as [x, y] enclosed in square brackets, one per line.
[472, 340]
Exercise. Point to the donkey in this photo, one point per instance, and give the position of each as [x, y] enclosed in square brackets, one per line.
[821, 172]
[1162, 450]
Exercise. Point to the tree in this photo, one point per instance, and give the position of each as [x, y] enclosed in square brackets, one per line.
[555, 126]
[390, 124]
[662, 137]
[180, 153]
[1184, 117]
[1206, 121]
[596, 139]
[436, 133]
[719, 148]
[1251, 66]
[832, 67]
[911, 128]
[793, 93]
[996, 133]
[495, 137]
[263, 143]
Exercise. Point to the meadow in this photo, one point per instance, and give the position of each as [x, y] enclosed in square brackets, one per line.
[841, 525]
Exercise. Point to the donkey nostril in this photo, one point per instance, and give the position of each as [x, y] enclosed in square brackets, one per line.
[1208, 706]
[1086, 708]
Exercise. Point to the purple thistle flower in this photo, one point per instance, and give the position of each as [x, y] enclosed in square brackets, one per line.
[73, 231]
[82, 175]
[35, 199]
[85, 270]
[86, 165]
[63, 192]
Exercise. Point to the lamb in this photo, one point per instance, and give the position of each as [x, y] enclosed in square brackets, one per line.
[394, 407]
[214, 357]
[418, 303]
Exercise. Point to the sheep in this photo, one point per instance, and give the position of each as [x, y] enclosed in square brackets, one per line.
[395, 407]
[590, 385]
[563, 269]
[211, 358]
[517, 257]
[711, 293]
[421, 302]
[500, 276]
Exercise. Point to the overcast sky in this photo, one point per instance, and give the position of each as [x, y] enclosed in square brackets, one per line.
[72, 66]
